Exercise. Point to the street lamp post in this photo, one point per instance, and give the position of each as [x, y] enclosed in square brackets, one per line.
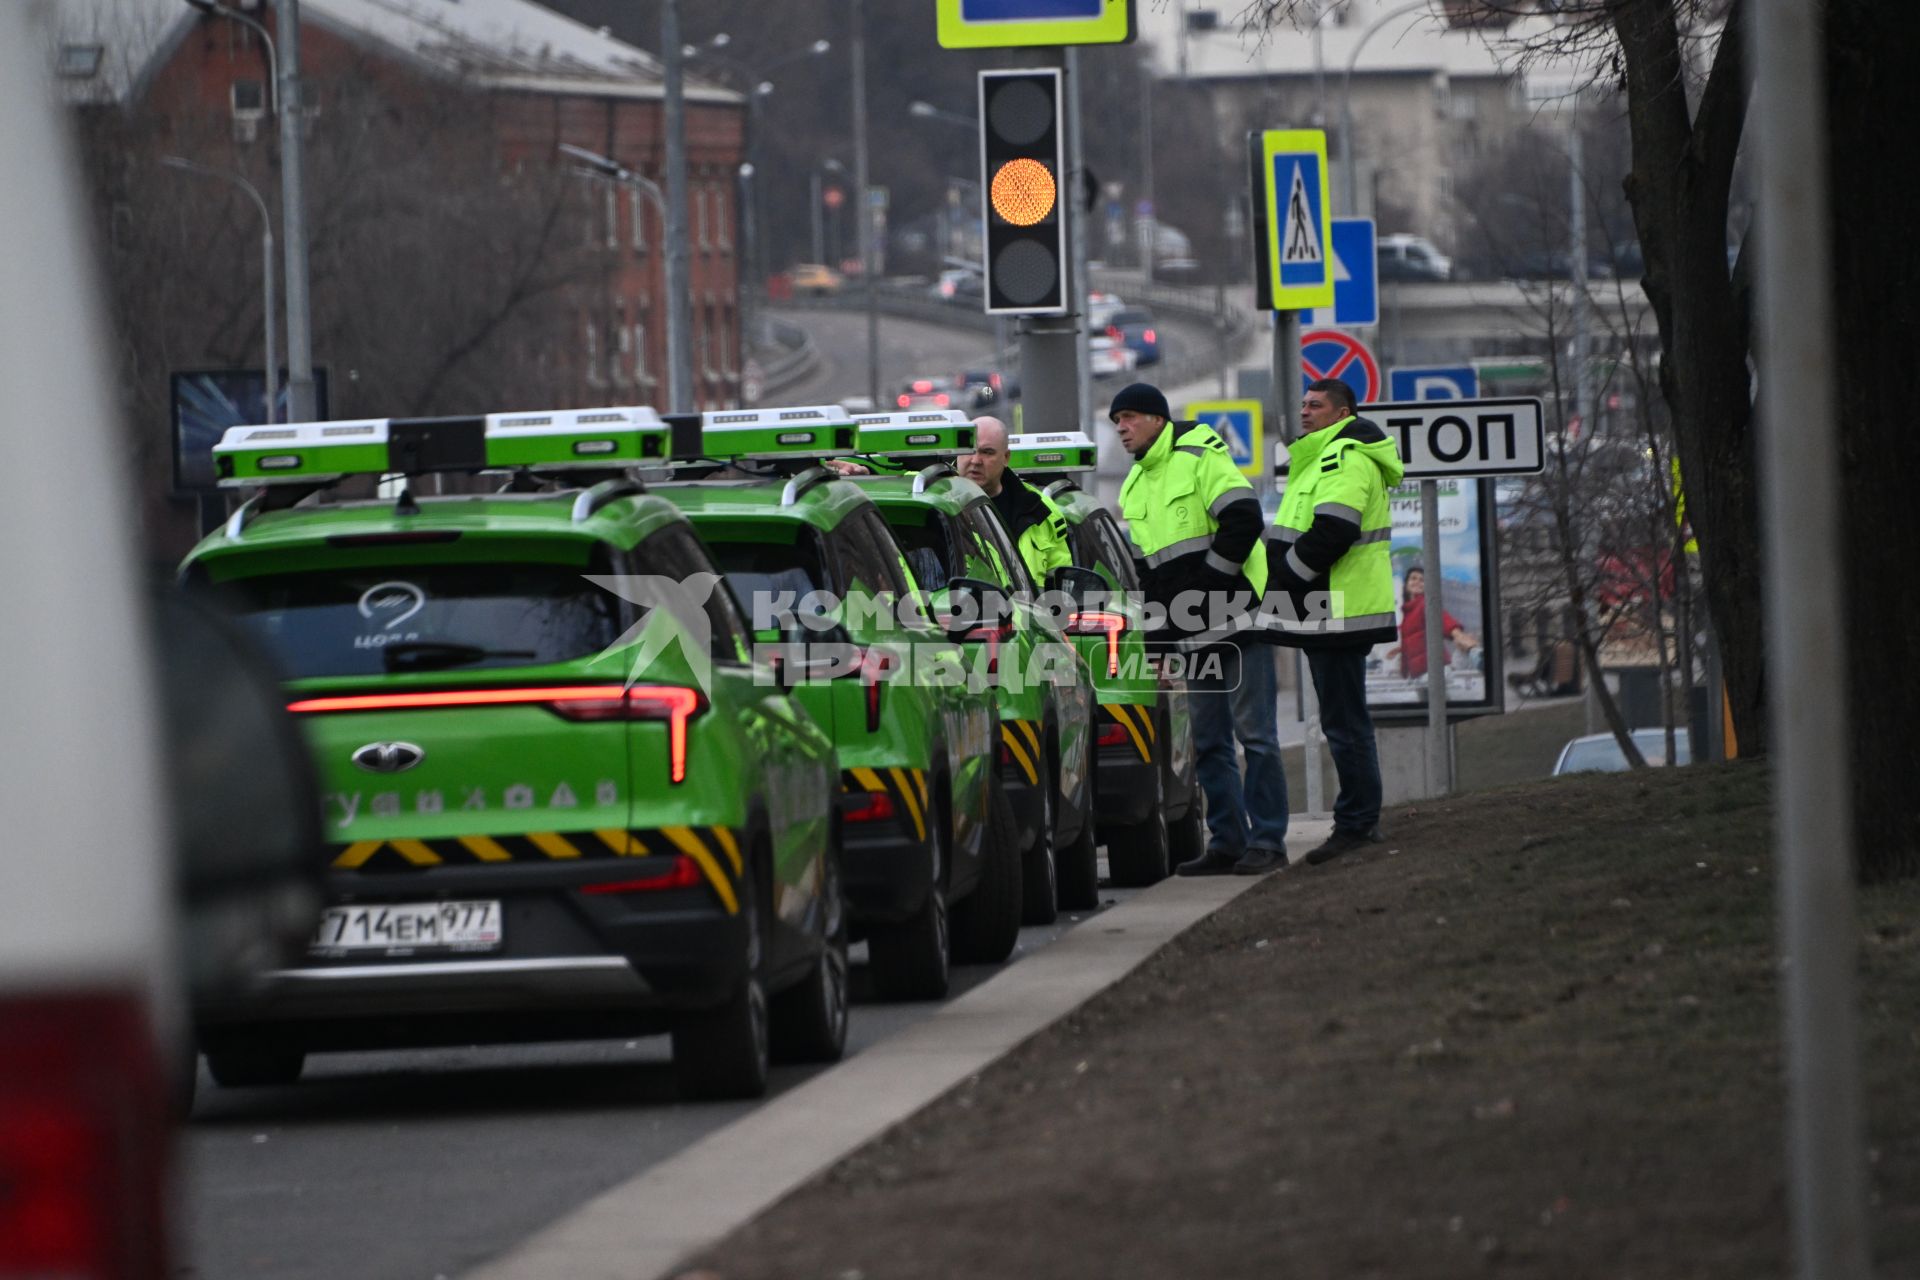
[259, 29]
[829, 165]
[679, 294]
[266, 264]
[601, 166]
[301, 404]
[864, 207]
[1346, 96]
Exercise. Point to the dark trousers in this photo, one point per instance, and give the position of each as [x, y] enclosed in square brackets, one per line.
[1340, 681]
[1210, 698]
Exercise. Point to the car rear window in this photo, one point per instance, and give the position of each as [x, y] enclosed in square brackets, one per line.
[1131, 317]
[767, 573]
[385, 619]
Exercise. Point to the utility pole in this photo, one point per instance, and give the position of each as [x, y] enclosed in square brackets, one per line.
[301, 403]
[1077, 229]
[865, 210]
[679, 292]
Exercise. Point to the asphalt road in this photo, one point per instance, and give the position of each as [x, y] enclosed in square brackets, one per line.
[912, 349]
[422, 1164]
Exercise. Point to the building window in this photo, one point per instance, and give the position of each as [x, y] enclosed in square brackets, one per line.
[79, 61]
[700, 217]
[612, 203]
[721, 230]
[640, 374]
[623, 345]
[593, 353]
[638, 206]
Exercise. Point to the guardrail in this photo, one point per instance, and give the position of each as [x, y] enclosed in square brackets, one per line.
[797, 361]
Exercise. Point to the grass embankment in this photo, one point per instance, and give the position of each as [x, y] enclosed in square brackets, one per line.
[1537, 1033]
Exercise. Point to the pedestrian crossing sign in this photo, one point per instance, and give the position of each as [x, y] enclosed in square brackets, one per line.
[1291, 192]
[1237, 423]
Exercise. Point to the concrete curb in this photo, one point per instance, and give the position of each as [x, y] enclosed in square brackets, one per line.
[649, 1225]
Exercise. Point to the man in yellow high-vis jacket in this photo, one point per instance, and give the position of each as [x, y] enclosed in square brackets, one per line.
[1195, 523]
[1333, 587]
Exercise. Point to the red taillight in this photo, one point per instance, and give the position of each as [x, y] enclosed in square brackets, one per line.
[675, 872]
[1096, 623]
[905, 402]
[872, 806]
[995, 380]
[1112, 735]
[672, 703]
[940, 401]
[872, 670]
[1113, 331]
[922, 386]
[1148, 335]
[83, 1137]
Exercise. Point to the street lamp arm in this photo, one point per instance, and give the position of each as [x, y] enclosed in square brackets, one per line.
[1346, 92]
[273, 55]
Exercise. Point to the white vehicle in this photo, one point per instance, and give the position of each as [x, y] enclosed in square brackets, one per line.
[1408, 257]
[1106, 357]
[87, 990]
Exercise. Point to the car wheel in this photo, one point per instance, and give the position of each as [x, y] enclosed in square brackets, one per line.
[1039, 883]
[1137, 855]
[251, 1060]
[1080, 871]
[909, 960]
[986, 924]
[810, 1018]
[1187, 836]
[723, 1053]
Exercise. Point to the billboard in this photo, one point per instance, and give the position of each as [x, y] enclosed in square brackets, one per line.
[206, 402]
[1469, 599]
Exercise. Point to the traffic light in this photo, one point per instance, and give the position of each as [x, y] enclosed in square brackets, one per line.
[1022, 145]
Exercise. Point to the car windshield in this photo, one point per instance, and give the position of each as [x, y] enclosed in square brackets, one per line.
[385, 619]
[1130, 318]
[1603, 755]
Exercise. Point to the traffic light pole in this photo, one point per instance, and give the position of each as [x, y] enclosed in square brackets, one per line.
[1076, 219]
[1288, 382]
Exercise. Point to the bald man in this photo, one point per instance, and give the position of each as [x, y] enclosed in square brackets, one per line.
[1039, 529]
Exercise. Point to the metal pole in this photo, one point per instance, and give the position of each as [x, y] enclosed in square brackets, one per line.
[1146, 164]
[679, 292]
[301, 404]
[819, 232]
[1439, 762]
[1346, 95]
[864, 212]
[1582, 405]
[267, 304]
[1288, 390]
[1076, 217]
[1807, 651]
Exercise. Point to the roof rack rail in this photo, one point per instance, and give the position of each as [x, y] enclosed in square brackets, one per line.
[811, 478]
[1062, 485]
[270, 498]
[929, 474]
[607, 491]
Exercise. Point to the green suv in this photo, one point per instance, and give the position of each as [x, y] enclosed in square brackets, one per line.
[951, 535]
[1151, 807]
[562, 798]
[931, 857]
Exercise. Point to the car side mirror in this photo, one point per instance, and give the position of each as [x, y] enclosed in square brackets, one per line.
[973, 603]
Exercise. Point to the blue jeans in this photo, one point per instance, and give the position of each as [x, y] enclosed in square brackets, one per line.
[1254, 723]
[1340, 680]
[1229, 828]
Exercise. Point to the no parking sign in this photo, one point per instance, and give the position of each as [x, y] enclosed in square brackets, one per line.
[1329, 353]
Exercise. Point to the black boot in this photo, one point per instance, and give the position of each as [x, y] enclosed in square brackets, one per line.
[1260, 861]
[1207, 864]
[1340, 842]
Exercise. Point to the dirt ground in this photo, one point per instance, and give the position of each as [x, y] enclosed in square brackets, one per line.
[1535, 1033]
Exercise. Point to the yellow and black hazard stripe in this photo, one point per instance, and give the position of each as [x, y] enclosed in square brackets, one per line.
[1022, 740]
[715, 850]
[906, 787]
[1137, 721]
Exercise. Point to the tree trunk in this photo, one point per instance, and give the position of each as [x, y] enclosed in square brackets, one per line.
[1682, 172]
[1873, 47]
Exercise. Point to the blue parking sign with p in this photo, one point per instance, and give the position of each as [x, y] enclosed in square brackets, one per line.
[1433, 382]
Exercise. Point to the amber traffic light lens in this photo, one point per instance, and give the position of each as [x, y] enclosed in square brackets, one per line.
[1023, 191]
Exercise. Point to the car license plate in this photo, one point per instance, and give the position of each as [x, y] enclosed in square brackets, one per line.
[398, 928]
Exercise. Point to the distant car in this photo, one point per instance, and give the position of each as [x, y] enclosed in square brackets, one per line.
[815, 278]
[1105, 357]
[926, 393]
[1600, 752]
[978, 389]
[1132, 327]
[1411, 258]
[1101, 308]
[959, 284]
